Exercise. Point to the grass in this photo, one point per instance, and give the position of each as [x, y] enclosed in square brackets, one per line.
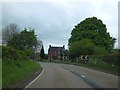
[0, 73]
[102, 66]
[17, 71]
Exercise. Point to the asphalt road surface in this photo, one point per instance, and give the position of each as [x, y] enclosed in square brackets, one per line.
[71, 76]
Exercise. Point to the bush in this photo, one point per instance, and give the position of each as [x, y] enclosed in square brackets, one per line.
[13, 73]
[0, 51]
[30, 53]
[83, 47]
[9, 53]
[108, 58]
[111, 59]
[15, 66]
[100, 50]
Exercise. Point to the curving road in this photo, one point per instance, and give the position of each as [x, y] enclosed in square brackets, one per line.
[71, 76]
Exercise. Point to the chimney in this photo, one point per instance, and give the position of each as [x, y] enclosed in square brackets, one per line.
[63, 46]
[49, 46]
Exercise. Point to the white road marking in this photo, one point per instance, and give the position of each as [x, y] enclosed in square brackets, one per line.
[34, 79]
[72, 70]
[82, 76]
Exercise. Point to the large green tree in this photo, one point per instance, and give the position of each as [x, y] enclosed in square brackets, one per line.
[28, 38]
[26, 41]
[93, 29]
[83, 47]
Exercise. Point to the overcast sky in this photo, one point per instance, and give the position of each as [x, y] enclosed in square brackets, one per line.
[53, 21]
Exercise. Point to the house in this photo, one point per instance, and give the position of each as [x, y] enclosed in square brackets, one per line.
[56, 52]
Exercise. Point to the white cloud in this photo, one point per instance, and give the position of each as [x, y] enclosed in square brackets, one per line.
[53, 20]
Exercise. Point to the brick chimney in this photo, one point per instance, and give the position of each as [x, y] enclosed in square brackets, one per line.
[49, 46]
[63, 46]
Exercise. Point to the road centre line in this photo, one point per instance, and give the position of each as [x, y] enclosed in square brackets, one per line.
[87, 80]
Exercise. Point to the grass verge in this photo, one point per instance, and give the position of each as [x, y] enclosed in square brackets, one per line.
[0, 73]
[104, 67]
[13, 73]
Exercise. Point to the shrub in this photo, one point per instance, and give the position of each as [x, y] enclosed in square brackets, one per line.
[83, 47]
[9, 53]
[100, 50]
[111, 59]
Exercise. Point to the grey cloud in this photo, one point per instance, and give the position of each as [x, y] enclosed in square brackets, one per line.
[52, 22]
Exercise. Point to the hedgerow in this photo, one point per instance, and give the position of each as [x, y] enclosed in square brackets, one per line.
[10, 55]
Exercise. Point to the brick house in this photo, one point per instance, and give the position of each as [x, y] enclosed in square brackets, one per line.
[56, 52]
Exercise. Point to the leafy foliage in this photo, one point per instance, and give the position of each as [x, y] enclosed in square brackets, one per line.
[83, 47]
[17, 70]
[9, 53]
[28, 38]
[25, 41]
[100, 50]
[19, 47]
[93, 29]
[30, 53]
[111, 59]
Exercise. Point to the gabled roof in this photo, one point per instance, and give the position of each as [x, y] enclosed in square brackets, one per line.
[56, 49]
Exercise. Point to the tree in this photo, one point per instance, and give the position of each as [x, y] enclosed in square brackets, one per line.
[93, 29]
[8, 32]
[83, 47]
[28, 39]
[30, 52]
[42, 54]
[100, 50]
[15, 41]
[25, 41]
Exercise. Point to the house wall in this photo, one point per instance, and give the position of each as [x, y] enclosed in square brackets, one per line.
[53, 54]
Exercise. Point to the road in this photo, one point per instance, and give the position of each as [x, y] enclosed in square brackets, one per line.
[71, 76]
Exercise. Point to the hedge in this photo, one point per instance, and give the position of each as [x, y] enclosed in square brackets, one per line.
[113, 59]
[12, 54]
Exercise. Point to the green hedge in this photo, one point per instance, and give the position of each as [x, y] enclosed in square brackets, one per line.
[15, 66]
[112, 59]
[11, 53]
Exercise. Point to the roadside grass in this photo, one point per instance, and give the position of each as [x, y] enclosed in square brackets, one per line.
[13, 73]
[46, 60]
[0, 67]
[0, 73]
[102, 66]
